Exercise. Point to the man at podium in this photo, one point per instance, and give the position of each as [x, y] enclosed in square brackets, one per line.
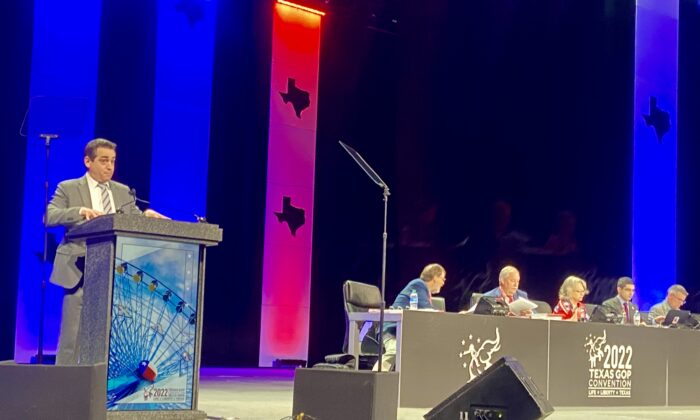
[74, 201]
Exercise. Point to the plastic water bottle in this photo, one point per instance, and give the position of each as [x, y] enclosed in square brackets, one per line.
[637, 318]
[413, 300]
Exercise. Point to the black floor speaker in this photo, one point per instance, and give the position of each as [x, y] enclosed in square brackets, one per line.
[504, 391]
[50, 392]
[344, 394]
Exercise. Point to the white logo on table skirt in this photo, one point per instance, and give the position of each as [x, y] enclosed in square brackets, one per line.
[610, 370]
[479, 353]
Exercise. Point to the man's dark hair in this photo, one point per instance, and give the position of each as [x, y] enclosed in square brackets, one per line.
[93, 145]
[624, 281]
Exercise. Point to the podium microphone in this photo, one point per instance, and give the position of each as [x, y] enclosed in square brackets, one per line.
[134, 199]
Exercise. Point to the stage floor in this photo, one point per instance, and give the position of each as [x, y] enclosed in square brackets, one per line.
[266, 394]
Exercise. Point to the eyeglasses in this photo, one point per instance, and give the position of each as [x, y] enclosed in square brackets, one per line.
[680, 300]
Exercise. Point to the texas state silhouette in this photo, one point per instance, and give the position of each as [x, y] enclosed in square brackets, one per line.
[293, 216]
[299, 98]
[657, 118]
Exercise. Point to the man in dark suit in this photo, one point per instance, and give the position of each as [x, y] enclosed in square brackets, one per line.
[622, 303]
[75, 201]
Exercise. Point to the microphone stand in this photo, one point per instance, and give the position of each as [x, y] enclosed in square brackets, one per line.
[134, 200]
[44, 109]
[385, 193]
[42, 291]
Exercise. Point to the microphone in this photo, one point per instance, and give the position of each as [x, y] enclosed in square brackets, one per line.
[132, 192]
[134, 199]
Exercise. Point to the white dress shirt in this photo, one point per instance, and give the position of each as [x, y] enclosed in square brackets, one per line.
[96, 194]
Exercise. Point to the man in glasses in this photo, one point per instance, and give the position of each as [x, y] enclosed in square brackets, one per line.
[431, 280]
[674, 300]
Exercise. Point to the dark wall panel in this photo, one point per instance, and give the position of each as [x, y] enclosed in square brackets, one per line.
[689, 148]
[126, 87]
[236, 197]
[16, 29]
[459, 105]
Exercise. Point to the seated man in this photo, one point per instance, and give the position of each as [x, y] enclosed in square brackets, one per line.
[675, 298]
[431, 280]
[507, 290]
[622, 303]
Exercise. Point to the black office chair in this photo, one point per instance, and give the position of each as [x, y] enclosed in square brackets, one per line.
[474, 299]
[590, 307]
[542, 307]
[358, 297]
[438, 303]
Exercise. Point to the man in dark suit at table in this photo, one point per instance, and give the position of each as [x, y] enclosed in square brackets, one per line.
[77, 200]
[622, 303]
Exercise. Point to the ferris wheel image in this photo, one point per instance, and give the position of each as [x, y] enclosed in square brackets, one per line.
[152, 336]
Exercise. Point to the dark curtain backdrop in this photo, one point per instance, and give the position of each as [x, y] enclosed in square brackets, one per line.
[461, 105]
[126, 87]
[16, 29]
[237, 170]
[458, 105]
[689, 149]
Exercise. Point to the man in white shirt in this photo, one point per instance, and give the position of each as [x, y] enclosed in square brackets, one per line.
[622, 303]
[74, 201]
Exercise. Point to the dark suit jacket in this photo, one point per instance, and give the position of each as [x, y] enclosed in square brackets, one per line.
[614, 305]
[64, 210]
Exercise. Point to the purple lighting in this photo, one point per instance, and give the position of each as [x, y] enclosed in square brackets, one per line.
[64, 71]
[654, 175]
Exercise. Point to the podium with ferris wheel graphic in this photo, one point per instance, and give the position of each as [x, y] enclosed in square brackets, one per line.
[142, 313]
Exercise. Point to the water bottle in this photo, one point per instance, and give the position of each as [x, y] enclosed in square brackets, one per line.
[637, 318]
[413, 300]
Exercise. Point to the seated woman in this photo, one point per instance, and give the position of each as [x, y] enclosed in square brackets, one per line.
[571, 295]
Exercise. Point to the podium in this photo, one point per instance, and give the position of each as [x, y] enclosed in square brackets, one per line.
[142, 311]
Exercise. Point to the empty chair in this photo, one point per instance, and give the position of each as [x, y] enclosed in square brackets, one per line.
[438, 303]
[542, 307]
[359, 297]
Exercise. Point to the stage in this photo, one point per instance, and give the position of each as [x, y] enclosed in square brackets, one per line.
[266, 394]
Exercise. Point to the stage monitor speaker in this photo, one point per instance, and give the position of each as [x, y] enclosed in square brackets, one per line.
[491, 306]
[50, 392]
[327, 394]
[503, 391]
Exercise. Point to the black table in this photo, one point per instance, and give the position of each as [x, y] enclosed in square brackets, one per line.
[573, 364]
